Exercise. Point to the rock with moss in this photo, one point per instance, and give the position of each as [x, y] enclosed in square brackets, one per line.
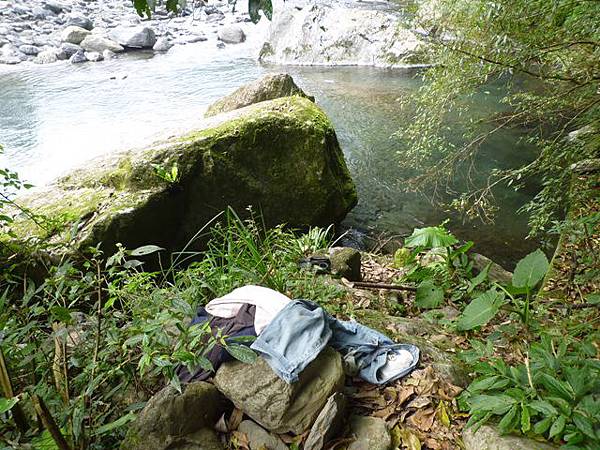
[276, 405]
[281, 156]
[345, 262]
[489, 438]
[172, 420]
[269, 87]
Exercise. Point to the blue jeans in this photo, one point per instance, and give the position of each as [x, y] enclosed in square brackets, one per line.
[302, 329]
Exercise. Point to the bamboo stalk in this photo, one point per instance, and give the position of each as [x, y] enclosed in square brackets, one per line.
[7, 390]
[49, 423]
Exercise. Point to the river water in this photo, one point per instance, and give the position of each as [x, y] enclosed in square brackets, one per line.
[54, 117]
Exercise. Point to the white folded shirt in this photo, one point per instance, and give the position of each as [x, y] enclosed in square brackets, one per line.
[267, 301]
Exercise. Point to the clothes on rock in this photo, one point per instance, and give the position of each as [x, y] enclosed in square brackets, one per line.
[267, 301]
[301, 331]
[241, 324]
[291, 334]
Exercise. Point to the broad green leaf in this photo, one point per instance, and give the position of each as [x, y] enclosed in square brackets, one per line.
[543, 407]
[557, 387]
[145, 250]
[557, 427]
[429, 295]
[254, 6]
[495, 404]
[481, 310]
[7, 404]
[61, 314]
[241, 353]
[530, 270]
[542, 426]
[585, 425]
[402, 257]
[509, 420]
[593, 299]
[525, 419]
[430, 237]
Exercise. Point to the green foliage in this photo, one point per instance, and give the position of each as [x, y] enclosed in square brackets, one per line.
[481, 310]
[530, 270]
[255, 6]
[146, 7]
[170, 176]
[554, 394]
[546, 55]
[429, 295]
[430, 237]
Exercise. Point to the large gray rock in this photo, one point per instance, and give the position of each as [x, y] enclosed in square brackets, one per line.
[259, 438]
[73, 34]
[496, 272]
[163, 44]
[489, 438]
[231, 34]
[276, 405]
[269, 87]
[172, 420]
[30, 50]
[371, 433]
[95, 43]
[134, 37]
[339, 34]
[79, 20]
[69, 49]
[78, 57]
[281, 156]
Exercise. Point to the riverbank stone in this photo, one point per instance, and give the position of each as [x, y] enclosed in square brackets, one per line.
[74, 34]
[281, 156]
[173, 420]
[371, 433]
[276, 405]
[134, 37]
[269, 87]
[259, 438]
[231, 34]
[96, 43]
[488, 437]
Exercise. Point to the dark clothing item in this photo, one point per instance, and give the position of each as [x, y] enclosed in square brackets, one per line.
[240, 325]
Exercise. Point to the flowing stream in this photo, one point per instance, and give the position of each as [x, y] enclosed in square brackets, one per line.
[54, 117]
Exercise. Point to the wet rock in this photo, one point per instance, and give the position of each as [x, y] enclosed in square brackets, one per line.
[172, 420]
[259, 438]
[55, 7]
[69, 49]
[107, 54]
[73, 34]
[134, 37]
[30, 50]
[497, 272]
[269, 87]
[94, 56]
[231, 34]
[95, 43]
[371, 433]
[47, 57]
[163, 44]
[78, 57]
[329, 424]
[489, 438]
[192, 38]
[79, 20]
[345, 263]
[40, 13]
[282, 156]
[276, 405]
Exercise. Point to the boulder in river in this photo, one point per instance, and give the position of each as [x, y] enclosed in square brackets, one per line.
[338, 34]
[79, 20]
[269, 87]
[276, 405]
[281, 156]
[73, 34]
[134, 37]
[96, 43]
[231, 34]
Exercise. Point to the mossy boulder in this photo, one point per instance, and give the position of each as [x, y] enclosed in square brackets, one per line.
[269, 87]
[281, 156]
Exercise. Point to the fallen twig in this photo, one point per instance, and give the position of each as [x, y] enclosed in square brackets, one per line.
[389, 287]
